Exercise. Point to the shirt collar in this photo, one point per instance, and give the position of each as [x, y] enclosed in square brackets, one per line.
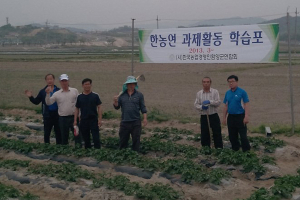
[205, 92]
[62, 90]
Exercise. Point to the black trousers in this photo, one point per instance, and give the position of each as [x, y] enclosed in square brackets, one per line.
[134, 129]
[49, 122]
[65, 125]
[215, 125]
[236, 128]
[88, 126]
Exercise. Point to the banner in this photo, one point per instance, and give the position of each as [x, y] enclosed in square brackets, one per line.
[220, 44]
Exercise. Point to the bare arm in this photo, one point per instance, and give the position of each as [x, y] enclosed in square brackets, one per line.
[246, 107]
[145, 122]
[99, 115]
[225, 110]
[116, 102]
[76, 116]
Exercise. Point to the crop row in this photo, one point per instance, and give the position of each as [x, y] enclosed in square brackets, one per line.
[8, 192]
[70, 172]
[188, 169]
[283, 188]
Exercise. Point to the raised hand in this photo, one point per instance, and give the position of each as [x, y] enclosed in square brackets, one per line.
[28, 93]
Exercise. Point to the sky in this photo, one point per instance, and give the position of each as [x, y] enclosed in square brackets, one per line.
[114, 13]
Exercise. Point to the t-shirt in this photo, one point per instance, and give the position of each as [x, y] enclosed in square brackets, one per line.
[65, 101]
[87, 103]
[234, 100]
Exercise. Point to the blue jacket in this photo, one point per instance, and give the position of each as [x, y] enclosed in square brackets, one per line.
[41, 98]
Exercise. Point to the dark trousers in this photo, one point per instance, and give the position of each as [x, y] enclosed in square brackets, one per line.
[130, 128]
[215, 125]
[49, 122]
[66, 124]
[236, 128]
[88, 126]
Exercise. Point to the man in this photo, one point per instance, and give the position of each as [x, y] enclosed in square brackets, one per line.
[65, 98]
[89, 104]
[131, 103]
[238, 115]
[50, 113]
[207, 101]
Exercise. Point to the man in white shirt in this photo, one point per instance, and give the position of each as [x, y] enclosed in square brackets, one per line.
[65, 98]
[207, 102]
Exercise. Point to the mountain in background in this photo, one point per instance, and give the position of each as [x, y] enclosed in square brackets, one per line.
[229, 21]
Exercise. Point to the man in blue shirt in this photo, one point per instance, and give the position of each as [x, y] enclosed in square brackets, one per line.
[50, 113]
[238, 114]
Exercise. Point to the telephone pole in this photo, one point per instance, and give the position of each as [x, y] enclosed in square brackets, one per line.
[7, 21]
[290, 73]
[296, 31]
[157, 22]
[47, 31]
[132, 46]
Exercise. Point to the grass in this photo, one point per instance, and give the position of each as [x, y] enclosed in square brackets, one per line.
[157, 115]
[275, 128]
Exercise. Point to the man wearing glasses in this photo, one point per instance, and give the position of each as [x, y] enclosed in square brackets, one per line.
[238, 114]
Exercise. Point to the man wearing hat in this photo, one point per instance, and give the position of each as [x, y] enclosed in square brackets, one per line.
[131, 103]
[65, 98]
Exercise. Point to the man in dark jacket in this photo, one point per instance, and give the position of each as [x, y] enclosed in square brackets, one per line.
[50, 113]
[131, 103]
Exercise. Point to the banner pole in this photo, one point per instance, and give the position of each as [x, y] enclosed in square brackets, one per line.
[290, 73]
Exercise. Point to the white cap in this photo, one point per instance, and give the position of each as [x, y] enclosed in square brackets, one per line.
[64, 77]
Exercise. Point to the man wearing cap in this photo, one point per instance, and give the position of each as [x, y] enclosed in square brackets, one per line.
[89, 104]
[207, 102]
[238, 114]
[65, 98]
[131, 103]
[50, 113]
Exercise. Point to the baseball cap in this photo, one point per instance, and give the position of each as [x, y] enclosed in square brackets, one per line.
[64, 77]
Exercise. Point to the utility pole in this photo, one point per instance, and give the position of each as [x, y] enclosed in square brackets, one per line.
[132, 46]
[290, 73]
[47, 31]
[157, 22]
[295, 42]
[7, 21]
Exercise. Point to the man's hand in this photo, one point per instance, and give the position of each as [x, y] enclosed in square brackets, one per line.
[145, 122]
[75, 123]
[246, 120]
[28, 93]
[224, 121]
[206, 102]
[204, 107]
[116, 98]
[48, 90]
[99, 123]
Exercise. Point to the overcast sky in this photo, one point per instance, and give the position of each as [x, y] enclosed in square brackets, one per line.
[118, 12]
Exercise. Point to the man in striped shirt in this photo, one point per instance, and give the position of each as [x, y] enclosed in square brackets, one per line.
[207, 102]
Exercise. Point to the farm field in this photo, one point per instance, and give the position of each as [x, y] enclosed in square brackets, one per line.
[172, 164]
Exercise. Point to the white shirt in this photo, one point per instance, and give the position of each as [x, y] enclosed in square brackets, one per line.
[214, 98]
[65, 100]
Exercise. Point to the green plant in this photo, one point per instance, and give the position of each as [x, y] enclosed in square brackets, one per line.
[14, 164]
[8, 192]
[156, 115]
[18, 118]
[110, 115]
